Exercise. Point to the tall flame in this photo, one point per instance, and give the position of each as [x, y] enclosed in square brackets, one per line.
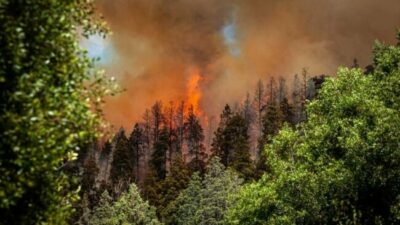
[193, 91]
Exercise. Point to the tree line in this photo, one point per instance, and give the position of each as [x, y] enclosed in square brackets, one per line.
[340, 165]
[167, 147]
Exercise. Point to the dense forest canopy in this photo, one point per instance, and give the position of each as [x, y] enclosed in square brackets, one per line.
[312, 149]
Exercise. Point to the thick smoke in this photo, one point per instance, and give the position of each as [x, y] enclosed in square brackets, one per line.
[233, 44]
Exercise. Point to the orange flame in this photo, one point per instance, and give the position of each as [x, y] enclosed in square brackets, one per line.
[193, 91]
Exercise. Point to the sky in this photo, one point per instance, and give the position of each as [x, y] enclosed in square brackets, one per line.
[216, 50]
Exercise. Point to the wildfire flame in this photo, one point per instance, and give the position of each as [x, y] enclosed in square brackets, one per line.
[193, 91]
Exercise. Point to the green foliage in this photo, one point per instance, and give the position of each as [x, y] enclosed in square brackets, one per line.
[159, 156]
[122, 168]
[176, 181]
[221, 145]
[129, 208]
[342, 166]
[183, 209]
[231, 143]
[272, 121]
[157, 172]
[205, 201]
[48, 88]
[195, 138]
[136, 144]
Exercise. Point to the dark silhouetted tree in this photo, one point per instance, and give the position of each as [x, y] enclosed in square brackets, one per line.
[195, 138]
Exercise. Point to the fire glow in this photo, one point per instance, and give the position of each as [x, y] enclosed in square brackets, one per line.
[193, 91]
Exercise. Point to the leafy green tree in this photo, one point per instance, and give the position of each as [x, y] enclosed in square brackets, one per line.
[129, 208]
[48, 87]
[342, 166]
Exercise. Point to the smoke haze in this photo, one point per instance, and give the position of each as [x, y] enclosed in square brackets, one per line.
[158, 44]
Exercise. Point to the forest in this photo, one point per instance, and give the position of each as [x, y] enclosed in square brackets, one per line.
[308, 150]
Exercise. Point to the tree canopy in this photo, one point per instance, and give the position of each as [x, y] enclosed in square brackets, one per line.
[342, 165]
[129, 208]
[49, 104]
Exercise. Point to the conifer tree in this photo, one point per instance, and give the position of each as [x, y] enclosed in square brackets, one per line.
[157, 170]
[285, 107]
[219, 185]
[231, 143]
[90, 172]
[296, 99]
[205, 201]
[183, 210]
[220, 147]
[180, 125]
[159, 156]
[176, 181]
[136, 143]
[122, 168]
[105, 162]
[129, 208]
[247, 111]
[157, 120]
[259, 105]
[237, 140]
[195, 139]
[172, 134]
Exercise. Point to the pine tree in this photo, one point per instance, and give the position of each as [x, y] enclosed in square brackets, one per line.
[285, 107]
[180, 126]
[296, 98]
[195, 138]
[122, 168]
[103, 213]
[147, 145]
[159, 156]
[237, 140]
[90, 172]
[231, 143]
[272, 122]
[247, 111]
[105, 162]
[157, 170]
[183, 210]
[172, 134]
[304, 88]
[205, 201]
[219, 186]
[259, 105]
[219, 146]
[175, 182]
[136, 142]
[157, 119]
[129, 208]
